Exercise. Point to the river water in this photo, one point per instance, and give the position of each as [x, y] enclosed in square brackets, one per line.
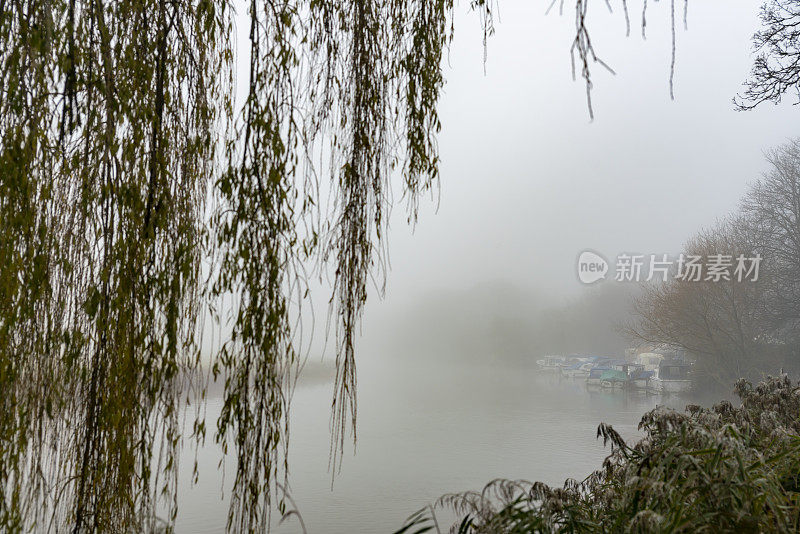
[426, 428]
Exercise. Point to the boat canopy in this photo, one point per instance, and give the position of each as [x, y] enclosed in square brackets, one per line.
[614, 375]
[641, 374]
[597, 372]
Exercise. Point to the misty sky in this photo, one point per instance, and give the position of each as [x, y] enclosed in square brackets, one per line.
[527, 181]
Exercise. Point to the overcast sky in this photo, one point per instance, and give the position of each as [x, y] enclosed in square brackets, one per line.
[527, 181]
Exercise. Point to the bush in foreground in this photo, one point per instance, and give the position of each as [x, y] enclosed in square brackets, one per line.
[724, 469]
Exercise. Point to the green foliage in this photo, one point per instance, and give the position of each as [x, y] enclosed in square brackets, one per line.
[724, 469]
[135, 199]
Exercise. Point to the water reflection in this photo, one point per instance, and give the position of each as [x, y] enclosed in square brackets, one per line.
[427, 428]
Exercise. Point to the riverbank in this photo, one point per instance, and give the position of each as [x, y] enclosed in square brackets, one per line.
[721, 469]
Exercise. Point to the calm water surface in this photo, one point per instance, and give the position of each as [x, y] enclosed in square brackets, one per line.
[426, 428]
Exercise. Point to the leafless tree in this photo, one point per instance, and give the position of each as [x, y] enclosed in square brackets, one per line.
[772, 208]
[740, 329]
[776, 70]
[724, 323]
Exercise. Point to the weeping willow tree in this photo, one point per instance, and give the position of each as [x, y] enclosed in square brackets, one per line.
[139, 195]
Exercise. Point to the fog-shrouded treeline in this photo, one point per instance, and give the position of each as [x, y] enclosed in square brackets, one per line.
[500, 320]
[739, 328]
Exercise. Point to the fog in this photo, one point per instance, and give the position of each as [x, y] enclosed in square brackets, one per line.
[528, 181]
[485, 282]
[194, 195]
[498, 321]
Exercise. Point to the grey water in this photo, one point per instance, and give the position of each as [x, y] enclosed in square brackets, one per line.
[426, 428]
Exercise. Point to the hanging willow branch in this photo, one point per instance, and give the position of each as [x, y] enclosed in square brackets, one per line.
[582, 52]
[137, 196]
[118, 123]
[106, 120]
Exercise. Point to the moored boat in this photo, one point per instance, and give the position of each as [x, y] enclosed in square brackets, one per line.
[551, 363]
[650, 360]
[594, 375]
[577, 369]
[671, 377]
[613, 379]
[639, 378]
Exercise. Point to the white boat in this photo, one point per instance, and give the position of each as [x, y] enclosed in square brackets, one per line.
[671, 377]
[639, 377]
[650, 360]
[578, 369]
[551, 363]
